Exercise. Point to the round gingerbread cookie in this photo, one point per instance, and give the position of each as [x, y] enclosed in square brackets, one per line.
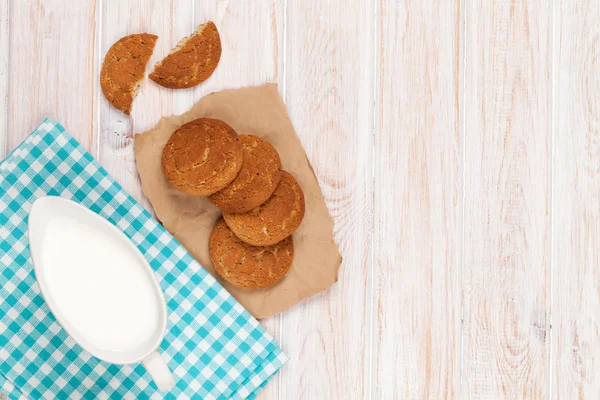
[246, 266]
[202, 157]
[257, 180]
[274, 220]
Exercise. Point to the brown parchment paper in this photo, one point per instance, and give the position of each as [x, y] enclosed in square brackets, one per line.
[259, 111]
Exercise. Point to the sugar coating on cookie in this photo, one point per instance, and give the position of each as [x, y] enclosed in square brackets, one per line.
[202, 157]
[192, 61]
[123, 69]
[247, 266]
[257, 180]
[274, 220]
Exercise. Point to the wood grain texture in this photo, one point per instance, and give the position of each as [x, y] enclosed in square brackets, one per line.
[329, 95]
[506, 214]
[4, 45]
[114, 130]
[251, 38]
[457, 146]
[576, 202]
[51, 74]
[251, 35]
[4, 65]
[4, 77]
[418, 194]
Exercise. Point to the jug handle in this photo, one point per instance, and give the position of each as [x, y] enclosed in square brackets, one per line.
[158, 370]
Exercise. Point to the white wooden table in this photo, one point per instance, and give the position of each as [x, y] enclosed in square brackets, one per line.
[457, 144]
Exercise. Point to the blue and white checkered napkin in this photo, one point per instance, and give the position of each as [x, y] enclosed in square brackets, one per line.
[215, 349]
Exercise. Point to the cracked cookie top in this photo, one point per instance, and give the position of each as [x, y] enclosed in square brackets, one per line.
[192, 61]
[123, 69]
[247, 266]
[202, 157]
[258, 178]
[274, 220]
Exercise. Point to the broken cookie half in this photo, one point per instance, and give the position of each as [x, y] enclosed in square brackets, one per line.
[192, 61]
[123, 69]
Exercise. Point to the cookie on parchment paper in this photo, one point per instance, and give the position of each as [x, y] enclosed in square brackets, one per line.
[192, 61]
[247, 266]
[123, 69]
[202, 157]
[257, 180]
[274, 220]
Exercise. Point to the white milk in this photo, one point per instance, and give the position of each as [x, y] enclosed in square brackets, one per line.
[99, 285]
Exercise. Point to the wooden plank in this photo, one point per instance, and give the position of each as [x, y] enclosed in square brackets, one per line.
[51, 69]
[48, 66]
[506, 214]
[114, 130]
[250, 35]
[4, 53]
[329, 95]
[252, 40]
[576, 199]
[418, 199]
[4, 76]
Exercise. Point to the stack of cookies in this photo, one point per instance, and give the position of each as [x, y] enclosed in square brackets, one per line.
[251, 246]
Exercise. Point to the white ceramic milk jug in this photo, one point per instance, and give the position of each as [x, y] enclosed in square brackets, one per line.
[98, 285]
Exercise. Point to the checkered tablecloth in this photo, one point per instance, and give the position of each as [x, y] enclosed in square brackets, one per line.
[215, 349]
